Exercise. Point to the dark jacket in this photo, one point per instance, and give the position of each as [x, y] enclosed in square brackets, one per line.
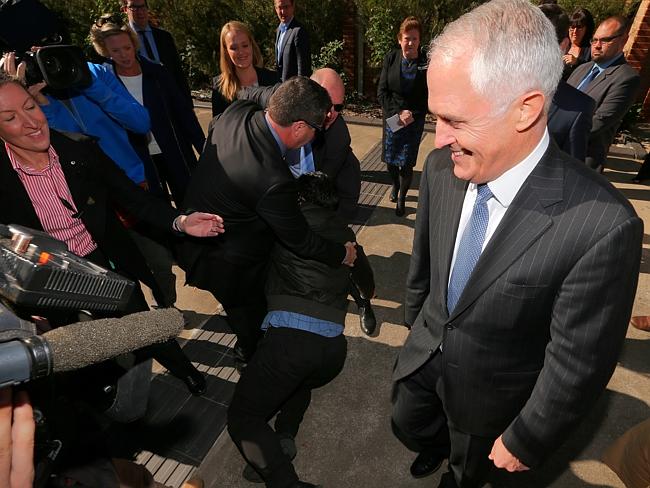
[295, 284]
[171, 60]
[295, 58]
[569, 120]
[265, 77]
[173, 124]
[332, 154]
[242, 177]
[390, 93]
[96, 183]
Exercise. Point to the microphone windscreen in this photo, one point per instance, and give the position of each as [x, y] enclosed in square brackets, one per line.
[81, 344]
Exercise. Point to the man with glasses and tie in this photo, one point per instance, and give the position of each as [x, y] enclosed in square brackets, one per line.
[611, 82]
[292, 53]
[156, 44]
[524, 263]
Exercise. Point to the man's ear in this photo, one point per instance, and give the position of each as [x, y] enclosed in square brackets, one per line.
[531, 106]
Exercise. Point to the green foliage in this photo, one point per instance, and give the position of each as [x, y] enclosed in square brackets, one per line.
[601, 9]
[329, 56]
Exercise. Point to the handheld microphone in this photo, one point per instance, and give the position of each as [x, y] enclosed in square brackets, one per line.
[83, 344]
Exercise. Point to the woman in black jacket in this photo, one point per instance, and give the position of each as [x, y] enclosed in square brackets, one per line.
[402, 93]
[240, 61]
[175, 129]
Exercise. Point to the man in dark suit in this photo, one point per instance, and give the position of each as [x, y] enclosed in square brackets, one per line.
[570, 113]
[292, 53]
[524, 263]
[156, 44]
[330, 152]
[243, 173]
[611, 82]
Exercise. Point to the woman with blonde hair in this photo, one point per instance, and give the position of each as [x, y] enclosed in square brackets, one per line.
[240, 61]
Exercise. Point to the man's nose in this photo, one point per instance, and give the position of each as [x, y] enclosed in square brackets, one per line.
[444, 135]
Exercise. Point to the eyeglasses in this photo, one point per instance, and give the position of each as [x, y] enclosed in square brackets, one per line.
[135, 8]
[109, 19]
[338, 106]
[604, 40]
[317, 128]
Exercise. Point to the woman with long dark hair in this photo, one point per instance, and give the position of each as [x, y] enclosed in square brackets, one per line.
[581, 29]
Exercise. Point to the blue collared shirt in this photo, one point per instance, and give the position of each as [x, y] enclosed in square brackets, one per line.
[283, 148]
[601, 67]
[293, 320]
[282, 31]
[301, 161]
[147, 32]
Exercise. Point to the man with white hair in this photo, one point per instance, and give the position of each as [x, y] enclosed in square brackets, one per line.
[524, 263]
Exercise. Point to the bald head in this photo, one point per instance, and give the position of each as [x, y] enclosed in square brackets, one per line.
[332, 82]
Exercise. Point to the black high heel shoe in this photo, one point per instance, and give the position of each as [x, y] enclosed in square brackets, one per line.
[400, 208]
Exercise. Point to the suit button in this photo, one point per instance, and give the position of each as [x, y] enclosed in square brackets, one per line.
[430, 351]
[450, 327]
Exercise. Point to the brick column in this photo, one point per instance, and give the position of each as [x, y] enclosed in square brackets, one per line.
[349, 54]
[637, 52]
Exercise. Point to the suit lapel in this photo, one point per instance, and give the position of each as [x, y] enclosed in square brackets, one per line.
[72, 169]
[609, 71]
[525, 221]
[17, 207]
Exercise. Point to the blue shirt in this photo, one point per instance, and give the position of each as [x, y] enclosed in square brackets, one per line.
[301, 161]
[148, 33]
[293, 320]
[283, 148]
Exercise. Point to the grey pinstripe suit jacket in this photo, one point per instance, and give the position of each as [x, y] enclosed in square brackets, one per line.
[536, 333]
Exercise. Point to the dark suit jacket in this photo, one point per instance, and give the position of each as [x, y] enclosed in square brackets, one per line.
[171, 60]
[390, 93]
[536, 333]
[173, 124]
[295, 57]
[569, 120]
[265, 77]
[242, 176]
[96, 183]
[614, 91]
[332, 155]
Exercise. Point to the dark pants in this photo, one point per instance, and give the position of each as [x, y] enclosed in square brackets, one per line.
[287, 365]
[420, 423]
[239, 288]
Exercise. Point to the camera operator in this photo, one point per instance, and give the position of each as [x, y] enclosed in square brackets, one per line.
[16, 439]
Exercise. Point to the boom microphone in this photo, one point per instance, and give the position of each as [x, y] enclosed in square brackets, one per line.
[83, 344]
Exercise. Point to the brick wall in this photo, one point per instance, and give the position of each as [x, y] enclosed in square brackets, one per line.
[637, 53]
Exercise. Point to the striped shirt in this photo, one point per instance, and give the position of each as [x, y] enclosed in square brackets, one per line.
[51, 198]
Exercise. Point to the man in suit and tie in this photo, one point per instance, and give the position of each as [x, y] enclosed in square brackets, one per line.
[611, 82]
[292, 53]
[524, 263]
[156, 44]
[570, 113]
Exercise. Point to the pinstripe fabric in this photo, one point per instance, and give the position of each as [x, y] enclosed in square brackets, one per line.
[47, 190]
[535, 336]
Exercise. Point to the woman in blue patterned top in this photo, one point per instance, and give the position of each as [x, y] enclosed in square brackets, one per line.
[402, 93]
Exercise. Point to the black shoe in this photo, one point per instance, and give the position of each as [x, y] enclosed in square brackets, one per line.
[393, 194]
[288, 445]
[367, 318]
[426, 463]
[304, 484]
[447, 481]
[196, 383]
[400, 208]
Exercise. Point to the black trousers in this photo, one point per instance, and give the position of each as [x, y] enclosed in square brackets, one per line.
[287, 365]
[419, 422]
[240, 290]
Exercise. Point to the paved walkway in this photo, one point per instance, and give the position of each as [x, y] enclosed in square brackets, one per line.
[345, 441]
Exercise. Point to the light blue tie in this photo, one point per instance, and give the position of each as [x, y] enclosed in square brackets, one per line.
[281, 32]
[306, 160]
[469, 249]
[584, 84]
